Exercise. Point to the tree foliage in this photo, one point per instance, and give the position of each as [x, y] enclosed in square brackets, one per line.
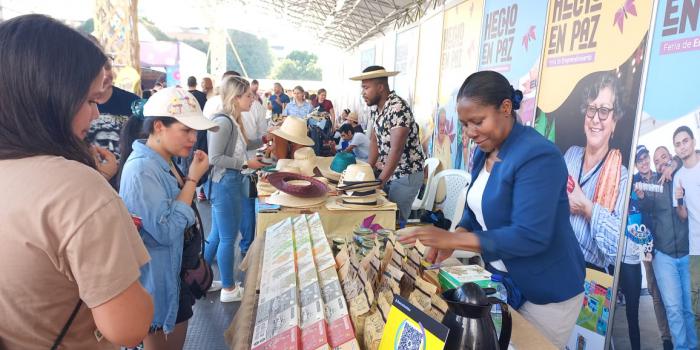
[253, 51]
[298, 65]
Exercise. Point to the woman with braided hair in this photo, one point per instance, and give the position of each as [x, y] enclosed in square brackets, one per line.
[517, 212]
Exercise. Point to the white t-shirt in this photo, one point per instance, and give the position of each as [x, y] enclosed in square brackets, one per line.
[361, 143]
[690, 178]
[474, 201]
[212, 107]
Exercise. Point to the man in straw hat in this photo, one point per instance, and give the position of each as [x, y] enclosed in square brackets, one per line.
[395, 148]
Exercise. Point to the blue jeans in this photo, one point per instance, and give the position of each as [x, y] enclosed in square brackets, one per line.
[226, 205]
[247, 224]
[673, 279]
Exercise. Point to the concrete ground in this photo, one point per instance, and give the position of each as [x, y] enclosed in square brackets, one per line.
[648, 328]
[211, 317]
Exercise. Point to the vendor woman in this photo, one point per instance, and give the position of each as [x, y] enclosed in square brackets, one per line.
[289, 137]
[517, 212]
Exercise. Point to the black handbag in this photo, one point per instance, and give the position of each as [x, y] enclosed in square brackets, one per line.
[195, 273]
[250, 185]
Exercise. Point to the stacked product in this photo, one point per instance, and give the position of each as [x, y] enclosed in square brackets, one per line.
[277, 319]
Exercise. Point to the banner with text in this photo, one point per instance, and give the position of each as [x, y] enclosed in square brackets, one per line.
[587, 104]
[459, 58]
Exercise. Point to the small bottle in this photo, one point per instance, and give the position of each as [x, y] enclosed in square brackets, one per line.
[502, 294]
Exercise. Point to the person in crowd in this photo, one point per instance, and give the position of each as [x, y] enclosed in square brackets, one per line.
[214, 104]
[208, 87]
[358, 143]
[158, 86]
[395, 149]
[70, 253]
[115, 109]
[227, 151]
[354, 121]
[278, 100]
[326, 105]
[299, 107]
[340, 120]
[686, 186]
[199, 95]
[645, 175]
[254, 87]
[517, 213]
[255, 128]
[670, 256]
[156, 191]
[597, 199]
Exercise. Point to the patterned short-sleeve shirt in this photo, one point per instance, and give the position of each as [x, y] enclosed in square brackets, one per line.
[396, 114]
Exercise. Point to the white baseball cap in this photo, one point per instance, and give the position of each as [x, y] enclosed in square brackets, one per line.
[179, 104]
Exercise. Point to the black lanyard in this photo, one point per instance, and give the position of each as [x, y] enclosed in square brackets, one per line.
[597, 168]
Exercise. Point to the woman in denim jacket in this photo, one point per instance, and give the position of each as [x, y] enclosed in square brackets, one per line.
[154, 191]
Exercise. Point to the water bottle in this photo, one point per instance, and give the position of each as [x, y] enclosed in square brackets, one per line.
[502, 294]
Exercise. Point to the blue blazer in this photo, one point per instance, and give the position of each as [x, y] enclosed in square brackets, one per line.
[526, 211]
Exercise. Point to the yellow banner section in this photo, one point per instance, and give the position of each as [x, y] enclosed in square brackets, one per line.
[585, 36]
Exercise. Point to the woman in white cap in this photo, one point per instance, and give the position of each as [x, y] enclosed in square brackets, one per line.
[155, 190]
[227, 150]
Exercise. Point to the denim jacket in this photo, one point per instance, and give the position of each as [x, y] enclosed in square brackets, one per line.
[150, 191]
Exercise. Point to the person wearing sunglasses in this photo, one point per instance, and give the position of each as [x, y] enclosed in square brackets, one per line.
[597, 178]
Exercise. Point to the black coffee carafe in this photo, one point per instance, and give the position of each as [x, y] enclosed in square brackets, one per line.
[469, 320]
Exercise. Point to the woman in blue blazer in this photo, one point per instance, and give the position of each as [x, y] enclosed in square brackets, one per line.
[517, 212]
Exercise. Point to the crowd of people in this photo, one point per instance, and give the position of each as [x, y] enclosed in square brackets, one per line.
[104, 233]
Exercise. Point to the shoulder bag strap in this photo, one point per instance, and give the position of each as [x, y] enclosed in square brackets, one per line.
[61, 335]
[210, 172]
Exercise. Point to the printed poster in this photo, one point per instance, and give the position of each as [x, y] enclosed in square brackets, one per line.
[670, 106]
[511, 44]
[405, 62]
[427, 78]
[459, 59]
[407, 327]
[587, 104]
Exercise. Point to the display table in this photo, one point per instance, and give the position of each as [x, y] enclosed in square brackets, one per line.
[239, 334]
[336, 223]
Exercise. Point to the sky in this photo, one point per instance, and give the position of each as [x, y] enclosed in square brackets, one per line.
[170, 15]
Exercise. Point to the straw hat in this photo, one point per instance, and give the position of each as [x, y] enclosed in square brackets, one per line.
[179, 104]
[294, 129]
[373, 72]
[376, 203]
[353, 117]
[287, 200]
[331, 169]
[358, 178]
[305, 159]
[297, 185]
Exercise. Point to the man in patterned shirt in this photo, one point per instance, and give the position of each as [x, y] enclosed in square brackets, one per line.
[395, 149]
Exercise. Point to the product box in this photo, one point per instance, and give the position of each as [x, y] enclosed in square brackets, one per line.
[454, 276]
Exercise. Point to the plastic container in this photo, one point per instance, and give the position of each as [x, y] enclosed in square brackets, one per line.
[502, 294]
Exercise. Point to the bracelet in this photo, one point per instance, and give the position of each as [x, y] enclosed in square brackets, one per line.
[187, 178]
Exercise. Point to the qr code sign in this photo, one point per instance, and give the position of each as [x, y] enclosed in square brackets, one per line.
[411, 338]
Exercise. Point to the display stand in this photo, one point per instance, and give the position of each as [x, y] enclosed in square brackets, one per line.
[239, 334]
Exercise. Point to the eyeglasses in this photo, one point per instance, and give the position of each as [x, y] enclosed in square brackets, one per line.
[603, 112]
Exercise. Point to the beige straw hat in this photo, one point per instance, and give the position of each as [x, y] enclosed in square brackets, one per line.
[287, 200]
[373, 72]
[294, 129]
[305, 159]
[353, 117]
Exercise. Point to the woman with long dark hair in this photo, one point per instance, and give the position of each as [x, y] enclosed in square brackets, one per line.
[517, 212]
[156, 191]
[70, 253]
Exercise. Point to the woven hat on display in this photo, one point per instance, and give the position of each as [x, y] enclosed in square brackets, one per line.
[353, 117]
[178, 104]
[298, 185]
[305, 159]
[294, 130]
[287, 200]
[333, 169]
[374, 72]
[358, 178]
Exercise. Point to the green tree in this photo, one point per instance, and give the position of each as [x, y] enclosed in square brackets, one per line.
[87, 26]
[298, 65]
[254, 52]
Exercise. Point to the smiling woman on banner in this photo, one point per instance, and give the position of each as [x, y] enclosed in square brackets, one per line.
[517, 213]
[596, 175]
